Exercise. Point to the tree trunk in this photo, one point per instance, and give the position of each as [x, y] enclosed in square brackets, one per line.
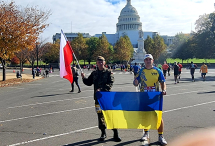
[4, 70]
[20, 67]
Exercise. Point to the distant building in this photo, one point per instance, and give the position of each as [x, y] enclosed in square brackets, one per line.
[70, 36]
[168, 40]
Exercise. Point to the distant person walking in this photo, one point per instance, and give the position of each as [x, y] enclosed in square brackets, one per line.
[136, 69]
[169, 69]
[165, 67]
[192, 68]
[176, 68]
[179, 70]
[203, 70]
[75, 78]
[33, 73]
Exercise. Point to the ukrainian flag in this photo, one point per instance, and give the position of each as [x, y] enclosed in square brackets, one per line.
[131, 110]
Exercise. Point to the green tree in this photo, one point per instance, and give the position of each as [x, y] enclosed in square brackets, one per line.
[79, 47]
[92, 46]
[148, 45]
[154, 46]
[177, 45]
[205, 36]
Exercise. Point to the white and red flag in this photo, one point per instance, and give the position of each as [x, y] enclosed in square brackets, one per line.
[66, 58]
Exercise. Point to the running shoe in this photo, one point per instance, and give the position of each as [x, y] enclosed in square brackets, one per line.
[162, 141]
[145, 137]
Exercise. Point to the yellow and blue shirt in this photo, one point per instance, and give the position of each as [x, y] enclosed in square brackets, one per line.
[149, 79]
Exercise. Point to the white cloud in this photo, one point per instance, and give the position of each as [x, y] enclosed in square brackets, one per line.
[167, 17]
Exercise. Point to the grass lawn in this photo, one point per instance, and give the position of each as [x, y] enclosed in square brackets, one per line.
[170, 60]
[81, 62]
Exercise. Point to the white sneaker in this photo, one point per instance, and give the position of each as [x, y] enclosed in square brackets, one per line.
[162, 140]
[145, 137]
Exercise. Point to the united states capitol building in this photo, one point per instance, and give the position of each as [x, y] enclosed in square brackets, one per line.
[128, 24]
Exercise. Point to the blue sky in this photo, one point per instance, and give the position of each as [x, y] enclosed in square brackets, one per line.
[168, 17]
[113, 2]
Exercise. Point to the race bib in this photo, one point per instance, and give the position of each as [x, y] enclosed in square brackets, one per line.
[98, 108]
[149, 89]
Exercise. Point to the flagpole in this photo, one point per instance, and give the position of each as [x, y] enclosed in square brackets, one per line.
[72, 52]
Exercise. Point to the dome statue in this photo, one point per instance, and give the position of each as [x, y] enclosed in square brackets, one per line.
[140, 33]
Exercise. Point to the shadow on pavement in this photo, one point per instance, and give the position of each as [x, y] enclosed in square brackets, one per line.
[128, 143]
[155, 143]
[130, 83]
[206, 92]
[89, 142]
[50, 95]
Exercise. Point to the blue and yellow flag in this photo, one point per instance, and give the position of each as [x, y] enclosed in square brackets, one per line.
[131, 110]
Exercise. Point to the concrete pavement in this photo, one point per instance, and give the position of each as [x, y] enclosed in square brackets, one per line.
[45, 113]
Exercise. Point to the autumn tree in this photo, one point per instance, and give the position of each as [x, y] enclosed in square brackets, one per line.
[22, 55]
[51, 52]
[123, 49]
[104, 48]
[15, 60]
[19, 29]
[159, 47]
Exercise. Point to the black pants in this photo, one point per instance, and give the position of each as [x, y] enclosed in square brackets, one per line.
[76, 82]
[164, 73]
[192, 74]
[101, 119]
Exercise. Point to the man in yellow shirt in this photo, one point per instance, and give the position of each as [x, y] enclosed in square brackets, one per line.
[204, 70]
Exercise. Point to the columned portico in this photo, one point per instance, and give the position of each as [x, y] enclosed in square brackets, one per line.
[129, 23]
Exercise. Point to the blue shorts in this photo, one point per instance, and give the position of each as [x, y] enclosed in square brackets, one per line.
[203, 74]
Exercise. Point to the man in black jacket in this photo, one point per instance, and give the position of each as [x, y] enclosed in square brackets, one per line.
[103, 79]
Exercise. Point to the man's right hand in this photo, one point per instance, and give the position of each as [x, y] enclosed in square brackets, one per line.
[135, 82]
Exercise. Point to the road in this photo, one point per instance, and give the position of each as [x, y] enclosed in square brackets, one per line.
[45, 113]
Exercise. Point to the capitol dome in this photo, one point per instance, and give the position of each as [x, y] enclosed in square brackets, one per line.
[128, 10]
[128, 19]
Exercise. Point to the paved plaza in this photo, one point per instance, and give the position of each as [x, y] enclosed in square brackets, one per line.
[45, 113]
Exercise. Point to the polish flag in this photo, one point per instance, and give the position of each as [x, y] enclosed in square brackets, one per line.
[66, 58]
